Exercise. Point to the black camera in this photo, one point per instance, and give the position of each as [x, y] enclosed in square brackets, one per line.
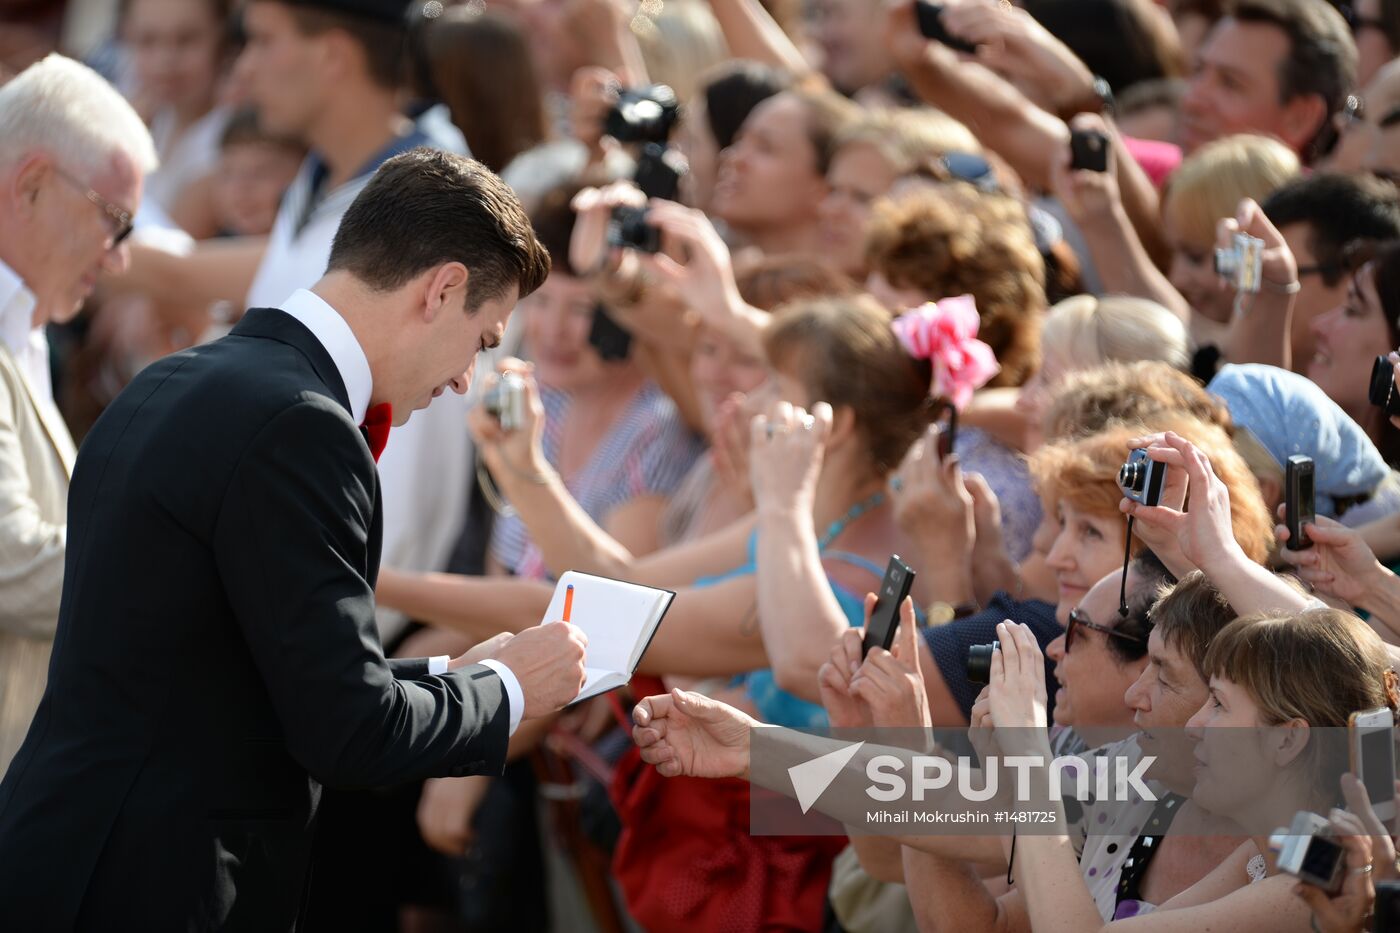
[1387, 907]
[629, 229]
[979, 662]
[1142, 478]
[930, 17]
[643, 115]
[659, 171]
[1300, 501]
[1382, 391]
[1088, 151]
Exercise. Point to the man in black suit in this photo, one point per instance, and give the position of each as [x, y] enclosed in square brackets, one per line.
[216, 659]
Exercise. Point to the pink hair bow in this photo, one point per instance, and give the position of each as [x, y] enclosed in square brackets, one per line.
[945, 333]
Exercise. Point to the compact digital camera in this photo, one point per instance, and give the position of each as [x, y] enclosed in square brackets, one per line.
[505, 401]
[1241, 263]
[1308, 851]
[1142, 478]
[979, 662]
[628, 228]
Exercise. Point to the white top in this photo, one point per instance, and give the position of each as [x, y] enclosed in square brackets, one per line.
[26, 343]
[331, 331]
[425, 472]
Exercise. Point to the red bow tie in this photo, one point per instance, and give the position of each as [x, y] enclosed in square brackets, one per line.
[378, 420]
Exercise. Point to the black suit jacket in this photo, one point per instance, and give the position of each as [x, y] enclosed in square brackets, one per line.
[216, 659]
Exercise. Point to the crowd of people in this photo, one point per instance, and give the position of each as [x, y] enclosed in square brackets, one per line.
[828, 282]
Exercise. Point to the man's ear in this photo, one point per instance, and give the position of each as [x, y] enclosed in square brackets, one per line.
[1303, 119]
[28, 178]
[445, 289]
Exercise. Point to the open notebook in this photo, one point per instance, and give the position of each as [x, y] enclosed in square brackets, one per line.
[618, 618]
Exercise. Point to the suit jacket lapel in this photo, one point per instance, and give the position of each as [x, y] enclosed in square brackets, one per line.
[48, 415]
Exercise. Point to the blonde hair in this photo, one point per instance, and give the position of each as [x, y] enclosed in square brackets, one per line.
[1087, 332]
[907, 139]
[1084, 472]
[1088, 401]
[68, 110]
[682, 43]
[1213, 180]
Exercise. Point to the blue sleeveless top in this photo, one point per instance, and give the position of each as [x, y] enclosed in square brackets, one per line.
[775, 705]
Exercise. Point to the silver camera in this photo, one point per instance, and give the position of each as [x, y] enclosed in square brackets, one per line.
[1308, 851]
[1142, 478]
[1241, 263]
[505, 401]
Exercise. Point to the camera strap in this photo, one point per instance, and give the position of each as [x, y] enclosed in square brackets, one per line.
[1127, 558]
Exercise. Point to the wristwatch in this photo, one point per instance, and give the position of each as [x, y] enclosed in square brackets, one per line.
[939, 612]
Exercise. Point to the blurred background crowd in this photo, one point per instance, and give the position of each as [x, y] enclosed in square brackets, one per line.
[1004, 244]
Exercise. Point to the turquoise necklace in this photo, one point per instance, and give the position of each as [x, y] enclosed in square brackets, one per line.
[856, 511]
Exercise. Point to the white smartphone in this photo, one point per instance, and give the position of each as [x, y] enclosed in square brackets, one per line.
[1372, 740]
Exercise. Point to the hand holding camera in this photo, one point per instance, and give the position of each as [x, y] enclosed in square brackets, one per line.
[508, 424]
[1332, 861]
[1252, 256]
[933, 506]
[1204, 533]
[1085, 175]
[1381, 391]
[1016, 691]
[891, 683]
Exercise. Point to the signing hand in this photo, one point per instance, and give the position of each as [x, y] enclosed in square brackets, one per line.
[687, 734]
[547, 660]
[480, 651]
[785, 457]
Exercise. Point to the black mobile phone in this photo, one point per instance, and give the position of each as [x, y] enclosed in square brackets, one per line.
[899, 579]
[1299, 501]
[947, 422]
[1088, 151]
[931, 27]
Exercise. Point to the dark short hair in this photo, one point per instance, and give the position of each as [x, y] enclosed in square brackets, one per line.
[1190, 615]
[1340, 211]
[382, 43]
[731, 92]
[1154, 579]
[1321, 57]
[553, 218]
[427, 207]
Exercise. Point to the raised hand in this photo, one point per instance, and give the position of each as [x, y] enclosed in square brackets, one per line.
[1348, 910]
[1279, 268]
[510, 454]
[1016, 693]
[932, 504]
[588, 245]
[1338, 564]
[785, 456]
[1205, 533]
[891, 684]
[1010, 42]
[1089, 197]
[547, 660]
[687, 734]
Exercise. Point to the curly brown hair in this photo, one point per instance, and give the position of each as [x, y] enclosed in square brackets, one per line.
[952, 240]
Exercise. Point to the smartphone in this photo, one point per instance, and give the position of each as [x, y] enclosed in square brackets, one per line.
[947, 422]
[1088, 151]
[879, 633]
[931, 27]
[1371, 736]
[1299, 501]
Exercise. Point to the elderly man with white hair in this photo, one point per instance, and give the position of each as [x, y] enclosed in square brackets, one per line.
[72, 157]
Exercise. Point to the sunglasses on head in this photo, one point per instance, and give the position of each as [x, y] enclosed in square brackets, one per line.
[1077, 619]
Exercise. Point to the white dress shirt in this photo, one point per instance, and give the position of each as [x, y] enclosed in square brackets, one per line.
[330, 329]
[26, 343]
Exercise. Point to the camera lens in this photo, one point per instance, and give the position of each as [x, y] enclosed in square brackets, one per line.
[1382, 389]
[1130, 476]
[979, 662]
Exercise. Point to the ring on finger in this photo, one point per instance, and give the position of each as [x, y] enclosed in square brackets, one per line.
[1364, 869]
[808, 422]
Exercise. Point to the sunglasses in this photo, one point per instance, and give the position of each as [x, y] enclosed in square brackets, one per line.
[1077, 620]
[119, 218]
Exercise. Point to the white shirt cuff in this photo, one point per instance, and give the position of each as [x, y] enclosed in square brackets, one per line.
[515, 697]
[438, 665]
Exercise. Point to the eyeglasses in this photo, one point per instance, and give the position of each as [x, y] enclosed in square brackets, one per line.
[1078, 619]
[119, 217]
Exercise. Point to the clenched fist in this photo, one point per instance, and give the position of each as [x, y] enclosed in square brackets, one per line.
[548, 662]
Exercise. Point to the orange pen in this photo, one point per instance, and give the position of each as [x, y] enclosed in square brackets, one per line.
[568, 601]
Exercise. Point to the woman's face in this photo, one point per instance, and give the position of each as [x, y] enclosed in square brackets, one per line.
[1347, 340]
[701, 152]
[719, 368]
[769, 178]
[858, 175]
[1232, 761]
[1087, 548]
[1193, 274]
[175, 51]
[1092, 679]
[558, 318]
